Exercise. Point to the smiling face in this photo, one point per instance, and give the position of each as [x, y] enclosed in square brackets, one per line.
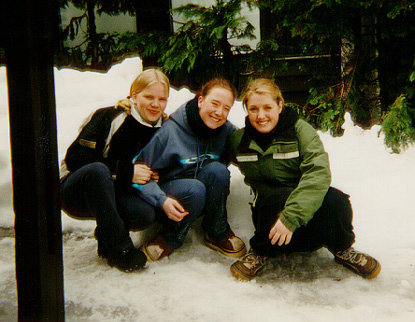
[215, 106]
[151, 101]
[263, 112]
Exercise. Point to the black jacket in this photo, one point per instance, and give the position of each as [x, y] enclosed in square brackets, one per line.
[111, 136]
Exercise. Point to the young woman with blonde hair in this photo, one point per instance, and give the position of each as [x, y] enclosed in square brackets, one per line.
[295, 209]
[97, 173]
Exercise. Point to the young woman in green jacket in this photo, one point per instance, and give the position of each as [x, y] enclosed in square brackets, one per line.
[295, 209]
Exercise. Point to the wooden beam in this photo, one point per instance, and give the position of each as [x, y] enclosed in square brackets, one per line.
[29, 44]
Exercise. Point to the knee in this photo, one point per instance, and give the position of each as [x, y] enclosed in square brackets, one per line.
[193, 197]
[217, 172]
[99, 168]
[196, 190]
[337, 198]
[97, 172]
[338, 203]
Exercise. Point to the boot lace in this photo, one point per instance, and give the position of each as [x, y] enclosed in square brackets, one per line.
[354, 257]
[253, 258]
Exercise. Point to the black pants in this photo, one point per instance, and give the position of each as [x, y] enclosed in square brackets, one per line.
[331, 225]
[90, 192]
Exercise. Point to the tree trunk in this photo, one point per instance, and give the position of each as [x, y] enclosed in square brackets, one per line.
[227, 54]
[347, 65]
[369, 53]
[267, 22]
[92, 30]
[153, 16]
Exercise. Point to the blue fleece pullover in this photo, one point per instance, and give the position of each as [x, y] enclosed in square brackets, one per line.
[176, 152]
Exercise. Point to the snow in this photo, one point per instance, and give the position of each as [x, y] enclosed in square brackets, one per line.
[195, 283]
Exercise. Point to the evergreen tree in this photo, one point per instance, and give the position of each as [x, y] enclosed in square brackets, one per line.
[398, 64]
[98, 46]
[203, 47]
[365, 64]
[365, 30]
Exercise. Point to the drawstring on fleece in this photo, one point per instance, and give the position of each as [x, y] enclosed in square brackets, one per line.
[199, 162]
[198, 158]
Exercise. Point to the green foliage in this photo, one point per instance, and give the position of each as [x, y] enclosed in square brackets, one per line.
[400, 8]
[98, 50]
[110, 7]
[398, 124]
[144, 45]
[399, 86]
[308, 28]
[203, 44]
[316, 27]
[325, 110]
[203, 47]
[106, 49]
[264, 57]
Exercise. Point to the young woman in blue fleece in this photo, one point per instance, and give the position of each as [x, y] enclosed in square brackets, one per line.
[188, 153]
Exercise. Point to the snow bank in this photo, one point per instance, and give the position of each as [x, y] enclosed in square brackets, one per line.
[195, 284]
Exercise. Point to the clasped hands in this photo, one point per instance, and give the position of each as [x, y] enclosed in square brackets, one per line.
[142, 174]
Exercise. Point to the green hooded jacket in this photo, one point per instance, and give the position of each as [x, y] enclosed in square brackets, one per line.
[299, 162]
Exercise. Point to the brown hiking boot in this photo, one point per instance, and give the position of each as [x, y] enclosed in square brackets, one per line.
[248, 266]
[156, 249]
[229, 246]
[362, 264]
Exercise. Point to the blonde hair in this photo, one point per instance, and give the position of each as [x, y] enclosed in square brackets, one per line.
[143, 80]
[262, 86]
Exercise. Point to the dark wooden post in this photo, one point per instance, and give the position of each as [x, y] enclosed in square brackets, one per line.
[267, 22]
[153, 16]
[29, 43]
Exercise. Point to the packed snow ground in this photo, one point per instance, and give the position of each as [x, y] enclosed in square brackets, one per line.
[195, 283]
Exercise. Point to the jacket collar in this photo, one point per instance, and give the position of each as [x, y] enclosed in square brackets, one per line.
[137, 116]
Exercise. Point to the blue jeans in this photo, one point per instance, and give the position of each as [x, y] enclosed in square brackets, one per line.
[205, 196]
[90, 192]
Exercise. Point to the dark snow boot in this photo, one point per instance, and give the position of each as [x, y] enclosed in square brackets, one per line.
[128, 260]
[102, 250]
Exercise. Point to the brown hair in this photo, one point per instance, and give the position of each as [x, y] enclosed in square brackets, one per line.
[262, 86]
[217, 82]
[143, 80]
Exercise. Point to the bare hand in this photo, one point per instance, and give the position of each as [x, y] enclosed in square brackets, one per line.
[174, 210]
[281, 234]
[142, 174]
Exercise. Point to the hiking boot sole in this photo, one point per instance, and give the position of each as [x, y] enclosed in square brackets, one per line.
[234, 254]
